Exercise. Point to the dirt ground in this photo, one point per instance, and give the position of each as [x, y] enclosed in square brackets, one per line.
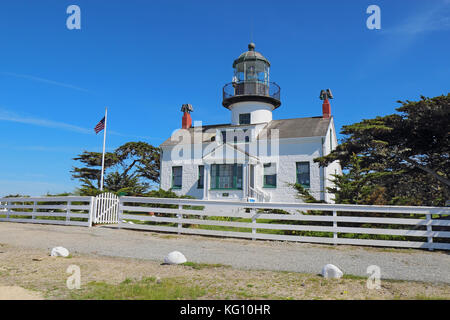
[18, 293]
[45, 277]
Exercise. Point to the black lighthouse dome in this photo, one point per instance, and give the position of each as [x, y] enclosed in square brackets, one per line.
[251, 80]
[251, 55]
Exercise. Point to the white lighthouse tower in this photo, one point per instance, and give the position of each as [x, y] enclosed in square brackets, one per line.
[251, 97]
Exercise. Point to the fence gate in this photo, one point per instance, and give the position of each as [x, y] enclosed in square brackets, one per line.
[106, 208]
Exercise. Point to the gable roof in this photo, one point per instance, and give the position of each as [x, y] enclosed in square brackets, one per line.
[220, 153]
[287, 128]
[298, 127]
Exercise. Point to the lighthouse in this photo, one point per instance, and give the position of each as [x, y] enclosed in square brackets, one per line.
[251, 97]
[253, 156]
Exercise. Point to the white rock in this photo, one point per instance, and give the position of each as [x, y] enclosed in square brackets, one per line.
[59, 252]
[175, 257]
[331, 271]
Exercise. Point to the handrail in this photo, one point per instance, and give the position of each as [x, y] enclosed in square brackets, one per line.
[262, 195]
[253, 88]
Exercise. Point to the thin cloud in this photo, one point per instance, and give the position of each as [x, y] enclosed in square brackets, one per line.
[133, 136]
[47, 81]
[397, 39]
[55, 149]
[6, 115]
[434, 19]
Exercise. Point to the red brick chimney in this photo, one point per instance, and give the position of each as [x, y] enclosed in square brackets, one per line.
[326, 109]
[186, 121]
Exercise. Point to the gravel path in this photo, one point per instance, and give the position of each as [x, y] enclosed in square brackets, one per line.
[243, 254]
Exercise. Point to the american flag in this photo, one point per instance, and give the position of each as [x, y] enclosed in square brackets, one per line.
[100, 126]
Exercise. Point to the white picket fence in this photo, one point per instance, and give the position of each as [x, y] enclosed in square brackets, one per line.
[423, 227]
[75, 211]
[201, 217]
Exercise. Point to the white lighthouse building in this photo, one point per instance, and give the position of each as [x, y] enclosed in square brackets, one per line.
[253, 157]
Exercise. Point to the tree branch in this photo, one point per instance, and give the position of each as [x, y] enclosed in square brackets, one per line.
[426, 169]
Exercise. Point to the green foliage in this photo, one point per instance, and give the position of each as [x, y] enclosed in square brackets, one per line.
[200, 266]
[64, 194]
[396, 159]
[145, 289]
[128, 170]
[16, 196]
[304, 194]
[160, 193]
[359, 185]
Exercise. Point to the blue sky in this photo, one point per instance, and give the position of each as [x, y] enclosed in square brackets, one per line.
[144, 59]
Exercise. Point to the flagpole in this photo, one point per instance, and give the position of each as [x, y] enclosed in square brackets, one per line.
[103, 155]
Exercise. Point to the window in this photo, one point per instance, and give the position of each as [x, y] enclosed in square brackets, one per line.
[201, 173]
[331, 140]
[303, 174]
[244, 118]
[177, 175]
[226, 176]
[224, 136]
[270, 175]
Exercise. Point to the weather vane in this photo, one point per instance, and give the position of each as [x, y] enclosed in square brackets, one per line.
[326, 94]
[187, 108]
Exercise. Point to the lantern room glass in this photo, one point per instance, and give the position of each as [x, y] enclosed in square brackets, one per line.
[251, 71]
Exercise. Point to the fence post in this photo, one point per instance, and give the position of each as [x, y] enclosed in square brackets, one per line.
[68, 212]
[179, 216]
[91, 211]
[120, 213]
[429, 230]
[254, 217]
[33, 216]
[335, 235]
[7, 209]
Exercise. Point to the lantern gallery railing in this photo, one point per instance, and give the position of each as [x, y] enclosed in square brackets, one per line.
[251, 88]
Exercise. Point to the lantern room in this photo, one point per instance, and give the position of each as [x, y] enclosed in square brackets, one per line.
[251, 95]
[251, 66]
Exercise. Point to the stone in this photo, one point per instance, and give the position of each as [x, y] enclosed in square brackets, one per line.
[175, 257]
[59, 252]
[331, 271]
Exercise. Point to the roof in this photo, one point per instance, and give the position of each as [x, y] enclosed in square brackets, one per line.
[250, 55]
[288, 128]
[299, 127]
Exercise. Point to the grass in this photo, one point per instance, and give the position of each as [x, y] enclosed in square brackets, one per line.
[424, 297]
[354, 277]
[145, 289]
[199, 266]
